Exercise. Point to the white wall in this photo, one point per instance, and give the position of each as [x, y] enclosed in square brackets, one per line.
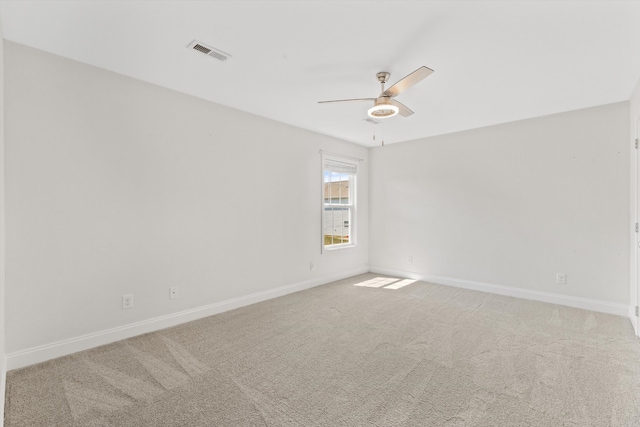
[505, 208]
[3, 370]
[116, 186]
[634, 132]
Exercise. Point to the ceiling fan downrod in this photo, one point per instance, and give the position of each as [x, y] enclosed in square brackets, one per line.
[383, 77]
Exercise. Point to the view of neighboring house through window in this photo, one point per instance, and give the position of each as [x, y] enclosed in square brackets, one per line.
[339, 214]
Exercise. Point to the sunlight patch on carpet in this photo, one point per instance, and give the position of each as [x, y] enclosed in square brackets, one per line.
[392, 283]
[400, 284]
[377, 282]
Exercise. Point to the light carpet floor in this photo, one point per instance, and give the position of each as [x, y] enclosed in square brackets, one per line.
[365, 351]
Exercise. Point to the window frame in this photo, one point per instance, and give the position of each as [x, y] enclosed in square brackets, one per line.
[351, 206]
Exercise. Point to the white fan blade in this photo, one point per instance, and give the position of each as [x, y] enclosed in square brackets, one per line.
[348, 100]
[403, 110]
[408, 81]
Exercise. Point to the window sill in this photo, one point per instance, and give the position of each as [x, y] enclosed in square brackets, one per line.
[339, 247]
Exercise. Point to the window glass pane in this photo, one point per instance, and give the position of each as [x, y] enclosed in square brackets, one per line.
[337, 188]
[336, 225]
[338, 191]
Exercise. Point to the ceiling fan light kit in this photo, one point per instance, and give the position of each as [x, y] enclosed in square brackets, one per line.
[382, 110]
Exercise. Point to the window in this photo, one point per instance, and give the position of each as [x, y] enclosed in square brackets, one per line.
[338, 202]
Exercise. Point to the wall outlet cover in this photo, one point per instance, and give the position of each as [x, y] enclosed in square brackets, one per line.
[127, 301]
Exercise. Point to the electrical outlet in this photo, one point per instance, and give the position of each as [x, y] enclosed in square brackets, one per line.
[311, 266]
[561, 278]
[173, 293]
[127, 301]
[410, 260]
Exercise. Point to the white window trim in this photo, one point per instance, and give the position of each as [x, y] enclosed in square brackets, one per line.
[353, 222]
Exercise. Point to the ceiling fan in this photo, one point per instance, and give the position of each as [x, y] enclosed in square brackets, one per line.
[384, 106]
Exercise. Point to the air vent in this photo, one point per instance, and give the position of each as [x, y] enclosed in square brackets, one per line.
[217, 55]
[208, 50]
[201, 48]
[372, 121]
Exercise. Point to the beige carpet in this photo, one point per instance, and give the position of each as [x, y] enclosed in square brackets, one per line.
[359, 352]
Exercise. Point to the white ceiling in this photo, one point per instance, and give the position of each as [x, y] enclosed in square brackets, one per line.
[494, 61]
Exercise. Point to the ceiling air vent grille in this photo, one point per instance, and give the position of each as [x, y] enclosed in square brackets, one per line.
[201, 48]
[208, 50]
[372, 121]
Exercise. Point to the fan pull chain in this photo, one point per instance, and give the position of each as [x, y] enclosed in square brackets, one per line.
[381, 133]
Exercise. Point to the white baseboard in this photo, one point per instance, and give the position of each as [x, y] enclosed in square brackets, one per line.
[634, 319]
[46, 352]
[570, 301]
